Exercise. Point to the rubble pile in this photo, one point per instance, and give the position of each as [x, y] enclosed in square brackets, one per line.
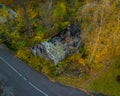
[59, 46]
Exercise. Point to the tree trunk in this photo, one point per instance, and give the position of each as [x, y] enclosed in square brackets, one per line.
[27, 21]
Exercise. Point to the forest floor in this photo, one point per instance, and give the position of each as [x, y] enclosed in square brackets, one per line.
[101, 81]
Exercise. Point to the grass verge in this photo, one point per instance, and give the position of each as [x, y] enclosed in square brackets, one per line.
[106, 83]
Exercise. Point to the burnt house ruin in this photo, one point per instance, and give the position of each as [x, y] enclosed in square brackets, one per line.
[59, 46]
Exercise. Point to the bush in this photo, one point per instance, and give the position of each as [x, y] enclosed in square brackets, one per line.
[40, 30]
[18, 45]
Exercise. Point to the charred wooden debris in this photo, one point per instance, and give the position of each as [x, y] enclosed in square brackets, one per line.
[59, 46]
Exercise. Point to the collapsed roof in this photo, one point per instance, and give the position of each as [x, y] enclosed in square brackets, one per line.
[59, 46]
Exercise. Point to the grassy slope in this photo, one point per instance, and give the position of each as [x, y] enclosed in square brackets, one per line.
[107, 83]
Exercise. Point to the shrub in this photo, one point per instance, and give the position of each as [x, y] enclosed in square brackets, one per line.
[18, 45]
[40, 30]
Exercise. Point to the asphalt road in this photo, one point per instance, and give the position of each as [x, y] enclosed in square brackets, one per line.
[25, 81]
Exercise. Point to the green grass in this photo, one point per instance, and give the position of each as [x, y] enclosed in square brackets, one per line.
[107, 83]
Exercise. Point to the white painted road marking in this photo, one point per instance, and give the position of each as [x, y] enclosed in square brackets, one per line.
[31, 84]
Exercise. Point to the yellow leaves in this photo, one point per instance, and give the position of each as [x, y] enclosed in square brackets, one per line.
[117, 50]
[38, 38]
[63, 7]
[7, 2]
[82, 61]
[26, 56]
[66, 23]
[36, 62]
[45, 70]
[4, 14]
[76, 58]
[95, 66]
[32, 13]
[33, 8]
[40, 34]
[19, 13]
[62, 25]
[22, 54]
[15, 35]
[60, 10]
